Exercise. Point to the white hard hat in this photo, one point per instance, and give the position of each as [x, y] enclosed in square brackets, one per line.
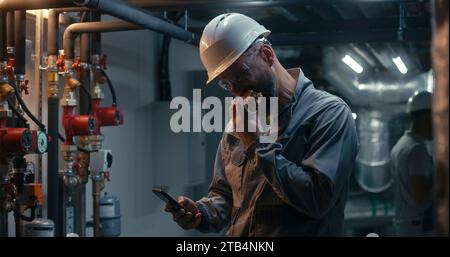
[225, 38]
[420, 100]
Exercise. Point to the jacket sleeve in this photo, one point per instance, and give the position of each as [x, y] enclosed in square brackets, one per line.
[314, 186]
[216, 207]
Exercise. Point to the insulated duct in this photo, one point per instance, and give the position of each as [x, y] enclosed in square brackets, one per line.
[376, 102]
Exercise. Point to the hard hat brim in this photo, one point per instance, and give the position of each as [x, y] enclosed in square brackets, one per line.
[212, 79]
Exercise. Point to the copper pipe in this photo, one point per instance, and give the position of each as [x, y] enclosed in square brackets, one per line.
[96, 189]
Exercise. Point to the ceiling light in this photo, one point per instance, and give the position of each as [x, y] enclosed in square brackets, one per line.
[400, 65]
[352, 64]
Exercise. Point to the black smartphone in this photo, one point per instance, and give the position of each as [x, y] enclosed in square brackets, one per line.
[167, 198]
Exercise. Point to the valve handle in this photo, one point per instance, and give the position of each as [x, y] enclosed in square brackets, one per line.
[60, 63]
[25, 87]
[77, 66]
[107, 175]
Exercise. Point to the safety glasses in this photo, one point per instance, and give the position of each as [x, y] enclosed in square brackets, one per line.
[242, 73]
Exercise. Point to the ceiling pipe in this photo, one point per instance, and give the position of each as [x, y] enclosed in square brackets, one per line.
[131, 13]
[9, 5]
[92, 27]
[208, 4]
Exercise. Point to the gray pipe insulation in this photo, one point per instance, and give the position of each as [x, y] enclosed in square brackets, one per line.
[19, 41]
[92, 27]
[139, 16]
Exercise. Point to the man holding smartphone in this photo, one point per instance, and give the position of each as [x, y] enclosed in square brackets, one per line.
[294, 186]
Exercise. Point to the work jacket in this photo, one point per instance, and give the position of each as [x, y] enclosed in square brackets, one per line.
[296, 186]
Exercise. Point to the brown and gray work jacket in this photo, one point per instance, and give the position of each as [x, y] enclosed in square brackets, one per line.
[296, 186]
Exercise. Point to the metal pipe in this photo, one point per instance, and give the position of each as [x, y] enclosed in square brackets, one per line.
[83, 157]
[53, 163]
[131, 13]
[96, 189]
[53, 27]
[52, 32]
[96, 43]
[19, 41]
[54, 190]
[89, 27]
[85, 77]
[211, 4]
[3, 55]
[10, 29]
[46, 4]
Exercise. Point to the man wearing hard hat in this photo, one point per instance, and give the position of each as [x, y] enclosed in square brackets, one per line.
[295, 186]
[412, 168]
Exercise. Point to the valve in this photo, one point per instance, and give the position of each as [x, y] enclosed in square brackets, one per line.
[24, 87]
[106, 175]
[60, 63]
[10, 68]
[77, 66]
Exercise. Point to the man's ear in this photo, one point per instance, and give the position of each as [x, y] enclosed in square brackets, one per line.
[267, 54]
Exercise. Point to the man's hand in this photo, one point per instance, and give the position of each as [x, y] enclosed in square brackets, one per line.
[187, 218]
[250, 121]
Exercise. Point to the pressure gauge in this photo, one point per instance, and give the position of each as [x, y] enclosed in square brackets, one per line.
[42, 142]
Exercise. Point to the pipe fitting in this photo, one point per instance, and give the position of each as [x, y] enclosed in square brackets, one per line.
[81, 166]
[52, 77]
[5, 90]
[70, 180]
[68, 98]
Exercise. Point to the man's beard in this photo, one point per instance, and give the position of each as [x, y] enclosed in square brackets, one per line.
[269, 86]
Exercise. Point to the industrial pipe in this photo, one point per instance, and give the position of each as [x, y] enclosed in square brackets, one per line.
[19, 41]
[90, 27]
[10, 31]
[3, 54]
[54, 191]
[53, 27]
[131, 13]
[96, 189]
[182, 5]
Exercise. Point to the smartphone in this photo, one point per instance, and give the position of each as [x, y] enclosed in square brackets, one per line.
[167, 198]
